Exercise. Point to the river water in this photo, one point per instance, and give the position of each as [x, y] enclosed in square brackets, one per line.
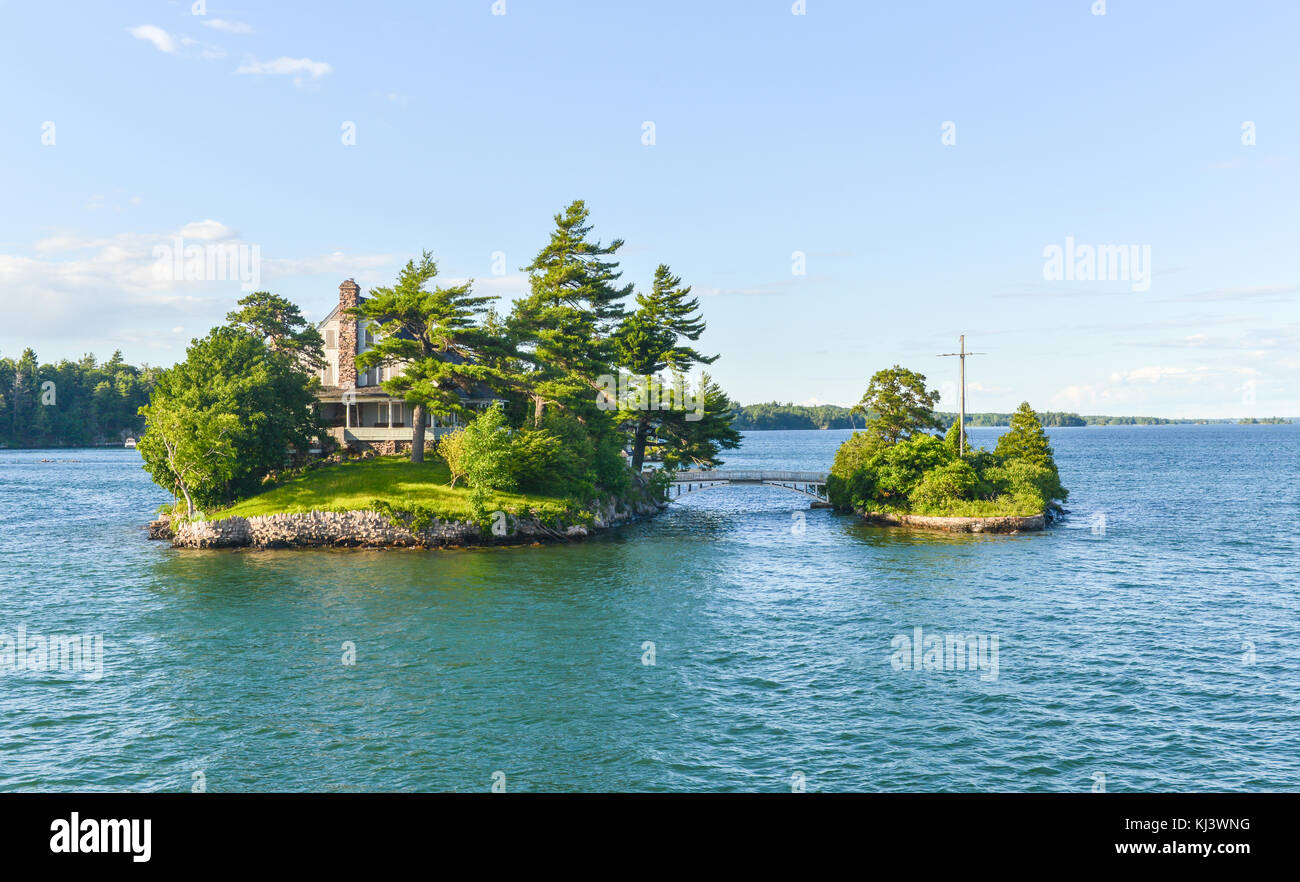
[1152, 640]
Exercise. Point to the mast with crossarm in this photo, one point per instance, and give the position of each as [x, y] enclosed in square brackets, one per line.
[961, 417]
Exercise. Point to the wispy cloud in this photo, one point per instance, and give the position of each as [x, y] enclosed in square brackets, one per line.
[295, 67]
[161, 40]
[107, 287]
[1253, 292]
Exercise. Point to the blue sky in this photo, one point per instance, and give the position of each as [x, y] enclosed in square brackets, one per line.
[774, 133]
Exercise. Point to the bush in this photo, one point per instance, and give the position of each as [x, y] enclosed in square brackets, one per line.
[541, 464]
[487, 443]
[451, 448]
[941, 487]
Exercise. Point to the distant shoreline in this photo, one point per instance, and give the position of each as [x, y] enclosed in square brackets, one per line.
[772, 415]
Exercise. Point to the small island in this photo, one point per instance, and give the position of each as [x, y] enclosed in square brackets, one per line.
[417, 416]
[899, 471]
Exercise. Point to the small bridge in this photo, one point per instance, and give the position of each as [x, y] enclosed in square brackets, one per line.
[808, 483]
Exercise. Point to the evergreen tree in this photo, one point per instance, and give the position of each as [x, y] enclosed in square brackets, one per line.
[280, 323]
[563, 328]
[651, 341]
[433, 340]
[1025, 439]
[697, 442]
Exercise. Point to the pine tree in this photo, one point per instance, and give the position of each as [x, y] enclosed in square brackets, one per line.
[433, 337]
[650, 341]
[563, 328]
[1025, 439]
[281, 325]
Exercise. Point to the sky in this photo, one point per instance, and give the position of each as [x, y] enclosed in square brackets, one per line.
[847, 185]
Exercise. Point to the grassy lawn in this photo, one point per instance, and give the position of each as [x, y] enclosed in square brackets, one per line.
[352, 485]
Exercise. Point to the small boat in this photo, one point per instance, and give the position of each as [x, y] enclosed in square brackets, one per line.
[130, 442]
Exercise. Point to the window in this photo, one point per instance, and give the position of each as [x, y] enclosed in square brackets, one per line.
[329, 339]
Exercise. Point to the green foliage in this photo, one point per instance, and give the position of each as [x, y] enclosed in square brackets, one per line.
[695, 439]
[434, 336]
[227, 415]
[72, 403]
[897, 404]
[653, 340]
[924, 474]
[451, 447]
[412, 515]
[280, 324]
[954, 480]
[540, 463]
[1025, 439]
[564, 329]
[488, 465]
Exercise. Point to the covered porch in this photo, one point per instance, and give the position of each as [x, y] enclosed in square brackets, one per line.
[365, 416]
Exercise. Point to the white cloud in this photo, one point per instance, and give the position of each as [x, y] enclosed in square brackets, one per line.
[206, 229]
[286, 67]
[162, 41]
[96, 290]
[228, 26]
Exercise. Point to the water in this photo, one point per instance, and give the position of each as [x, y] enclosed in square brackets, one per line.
[1123, 648]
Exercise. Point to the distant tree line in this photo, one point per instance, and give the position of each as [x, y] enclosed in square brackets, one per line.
[72, 403]
[774, 415]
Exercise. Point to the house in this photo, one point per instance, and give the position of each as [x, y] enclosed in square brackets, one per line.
[359, 414]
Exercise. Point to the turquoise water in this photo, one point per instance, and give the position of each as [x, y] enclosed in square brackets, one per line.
[1160, 648]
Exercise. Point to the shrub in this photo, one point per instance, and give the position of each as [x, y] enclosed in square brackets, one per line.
[941, 487]
[451, 448]
[487, 461]
[541, 464]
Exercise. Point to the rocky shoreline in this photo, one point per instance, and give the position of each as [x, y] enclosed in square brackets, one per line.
[371, 529]
[959, 525]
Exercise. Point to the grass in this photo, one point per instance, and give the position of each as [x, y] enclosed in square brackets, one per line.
[352, 486]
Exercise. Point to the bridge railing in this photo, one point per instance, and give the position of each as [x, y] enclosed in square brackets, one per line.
[700, 475]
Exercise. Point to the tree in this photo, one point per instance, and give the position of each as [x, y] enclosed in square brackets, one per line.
[1026, 442]
[233, 401]
[650, 341]
[281, 325]
[451, 447]
[432, 336]
[699, 441]
[189, 450]
[487, 462]
[563, 328]
[897, 405]
[1025, 439]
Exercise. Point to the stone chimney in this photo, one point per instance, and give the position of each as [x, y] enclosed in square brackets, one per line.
[349, 296]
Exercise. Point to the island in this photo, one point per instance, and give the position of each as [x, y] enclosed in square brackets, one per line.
[899, 471]
[418, 416]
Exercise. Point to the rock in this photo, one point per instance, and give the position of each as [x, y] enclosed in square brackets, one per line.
[576, 531]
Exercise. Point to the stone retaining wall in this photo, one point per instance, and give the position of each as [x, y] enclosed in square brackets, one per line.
[959, 525]
[370, 529]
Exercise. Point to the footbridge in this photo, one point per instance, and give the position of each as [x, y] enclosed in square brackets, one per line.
[808, 483]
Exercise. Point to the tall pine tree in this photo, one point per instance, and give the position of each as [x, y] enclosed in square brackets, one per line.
[433, 338]
[652, 340]
[564, 327]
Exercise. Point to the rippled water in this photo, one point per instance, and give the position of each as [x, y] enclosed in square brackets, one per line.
[1159, 647]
